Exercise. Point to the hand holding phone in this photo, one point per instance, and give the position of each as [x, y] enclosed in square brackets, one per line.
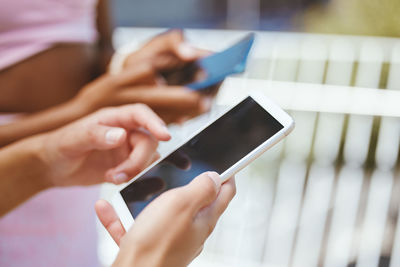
[213, 69]
[225, 146]
[189, 213]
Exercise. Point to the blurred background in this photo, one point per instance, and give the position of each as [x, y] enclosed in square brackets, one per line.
[329, 194]
[366, 17]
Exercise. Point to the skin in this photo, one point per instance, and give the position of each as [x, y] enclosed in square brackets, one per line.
[66, 67]
[51, 83]
[110, 145]
[190, 213]
[96, 149]
[137, 83]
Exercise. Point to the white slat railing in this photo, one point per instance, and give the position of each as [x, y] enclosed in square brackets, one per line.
[327, 195]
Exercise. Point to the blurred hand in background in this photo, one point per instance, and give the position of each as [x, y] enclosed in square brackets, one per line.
[141, 81]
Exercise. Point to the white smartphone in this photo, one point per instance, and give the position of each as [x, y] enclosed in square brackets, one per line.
[226, 146]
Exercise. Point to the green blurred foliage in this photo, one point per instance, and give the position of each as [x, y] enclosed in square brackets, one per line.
[359, 17]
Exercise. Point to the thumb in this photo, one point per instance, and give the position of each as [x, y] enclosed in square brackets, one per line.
[173, 41]
[110, 220]
[93, 137]
[177, 44]
[203, 190]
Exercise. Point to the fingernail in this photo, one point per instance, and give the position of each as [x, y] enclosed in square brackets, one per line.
[114, 135]
[216, 179]
[187, 50]
[205, 104]
[120, 177]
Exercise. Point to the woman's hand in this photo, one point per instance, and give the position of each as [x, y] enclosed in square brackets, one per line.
[173, 62]
[144, 80]
[189, 214]
[153, 75]
[141, 84]
[170, 56]
[111, 145]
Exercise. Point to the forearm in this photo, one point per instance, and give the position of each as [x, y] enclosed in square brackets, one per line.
[40, 122]
[22, 173]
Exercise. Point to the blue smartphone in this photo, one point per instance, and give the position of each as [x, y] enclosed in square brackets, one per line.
[220, 65]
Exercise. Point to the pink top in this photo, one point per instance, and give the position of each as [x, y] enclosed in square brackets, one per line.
[28, 27]
[55, 228]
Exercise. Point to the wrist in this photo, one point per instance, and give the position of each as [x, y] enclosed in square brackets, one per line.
[139, 257]
[123, 56]
[78, 107]
[117, 63]
[24, 173]
[30, 152]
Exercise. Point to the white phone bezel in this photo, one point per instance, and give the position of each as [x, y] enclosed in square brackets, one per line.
[288, 124]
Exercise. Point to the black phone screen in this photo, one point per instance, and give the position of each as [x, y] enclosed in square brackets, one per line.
[216, 148]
